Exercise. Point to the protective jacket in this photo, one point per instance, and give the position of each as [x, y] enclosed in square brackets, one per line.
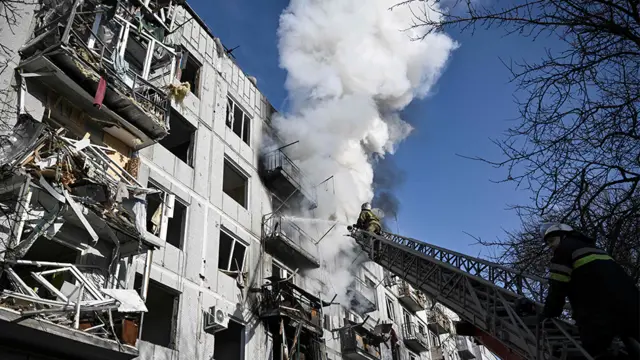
[368, 221]
[603, 297]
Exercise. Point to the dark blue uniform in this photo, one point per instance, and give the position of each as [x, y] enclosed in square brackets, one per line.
[604, 300]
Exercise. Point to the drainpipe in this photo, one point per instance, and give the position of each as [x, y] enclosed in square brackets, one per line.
[145, 286]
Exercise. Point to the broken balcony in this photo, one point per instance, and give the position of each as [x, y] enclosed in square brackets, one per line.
[437, 322]
[412, 299]
[288, 242]
[282, 299]
[465, 348]
[358, 344]
[286, 180]
[70, 229]
[413, 338]
[362, 297]
[113, 65]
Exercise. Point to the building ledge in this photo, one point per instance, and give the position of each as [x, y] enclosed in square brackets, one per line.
[51, 339]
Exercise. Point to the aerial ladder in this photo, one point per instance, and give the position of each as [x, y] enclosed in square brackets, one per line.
[485, 295]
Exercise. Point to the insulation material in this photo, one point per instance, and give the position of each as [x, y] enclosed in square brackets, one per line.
[121, 153]
[129, 300]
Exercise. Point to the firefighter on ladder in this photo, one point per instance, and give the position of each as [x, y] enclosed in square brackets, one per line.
[368, 221]
[604, 299]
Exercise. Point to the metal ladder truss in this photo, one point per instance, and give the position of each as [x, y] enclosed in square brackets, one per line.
[482, 293]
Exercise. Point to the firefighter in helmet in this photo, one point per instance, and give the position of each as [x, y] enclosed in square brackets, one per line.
[605, 301]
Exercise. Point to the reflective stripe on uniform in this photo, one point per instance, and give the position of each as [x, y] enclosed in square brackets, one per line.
[589, 258]
[560, 277]
[586, 251]
[561, 269]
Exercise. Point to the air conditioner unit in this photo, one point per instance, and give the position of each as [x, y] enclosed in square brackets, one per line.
[215, 320]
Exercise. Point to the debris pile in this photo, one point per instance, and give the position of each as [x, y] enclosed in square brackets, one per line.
[59, 190]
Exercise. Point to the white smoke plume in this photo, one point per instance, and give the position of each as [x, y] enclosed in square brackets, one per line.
[352, 66]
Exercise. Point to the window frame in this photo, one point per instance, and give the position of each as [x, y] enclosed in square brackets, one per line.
[246, 118]
[192, 141]
[235, 239]
[391, 311]
[238, 170]
[164, 217]
[285, 271]
[198, 78]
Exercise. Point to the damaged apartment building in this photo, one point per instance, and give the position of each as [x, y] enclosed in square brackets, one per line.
[140, 218]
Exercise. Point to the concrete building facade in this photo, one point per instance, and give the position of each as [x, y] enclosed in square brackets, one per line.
[222, 270]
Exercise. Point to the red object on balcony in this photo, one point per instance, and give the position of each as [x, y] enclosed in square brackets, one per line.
[100, 91]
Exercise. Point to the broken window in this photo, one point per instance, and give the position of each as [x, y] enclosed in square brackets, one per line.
[44, 249]
[177, 224]
[190, 72]
[238, 121]
[166, 216]
[159, 326]
[181, 138]
[391, 313]
[231, 253]
[413, 356]
[235, 184]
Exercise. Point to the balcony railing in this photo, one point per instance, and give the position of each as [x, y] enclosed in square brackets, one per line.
[96, 41]
[358, 346]
[413, 338]
[290, 243]
[412, 299]
[278, 161]
[438, 322]
[465, 348]
[363, 297]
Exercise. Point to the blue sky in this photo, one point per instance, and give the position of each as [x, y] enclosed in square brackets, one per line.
[444, 195]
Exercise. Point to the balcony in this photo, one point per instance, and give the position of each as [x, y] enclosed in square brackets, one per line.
[79, 46]
[74, 218]
[437, 353]
[465, 348]
[358, 345]
[284, 299]
[438, 322]
[412, 299]
[286, 180]
[413, 339]
[289, 243]
[362, 297]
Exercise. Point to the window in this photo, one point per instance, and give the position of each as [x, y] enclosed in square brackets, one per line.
[190, 72]
[181, 138]
[166, 216]
[407, 321]
[435, 340]
[238, 121]
[370, 283]
[412, 356]
[234, 184]
[229, 343]
[160, 321]
[421, 329]
[391, 313]
[231, 253]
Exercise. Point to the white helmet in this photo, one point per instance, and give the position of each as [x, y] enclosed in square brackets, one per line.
[549, 229]
[366, 206]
